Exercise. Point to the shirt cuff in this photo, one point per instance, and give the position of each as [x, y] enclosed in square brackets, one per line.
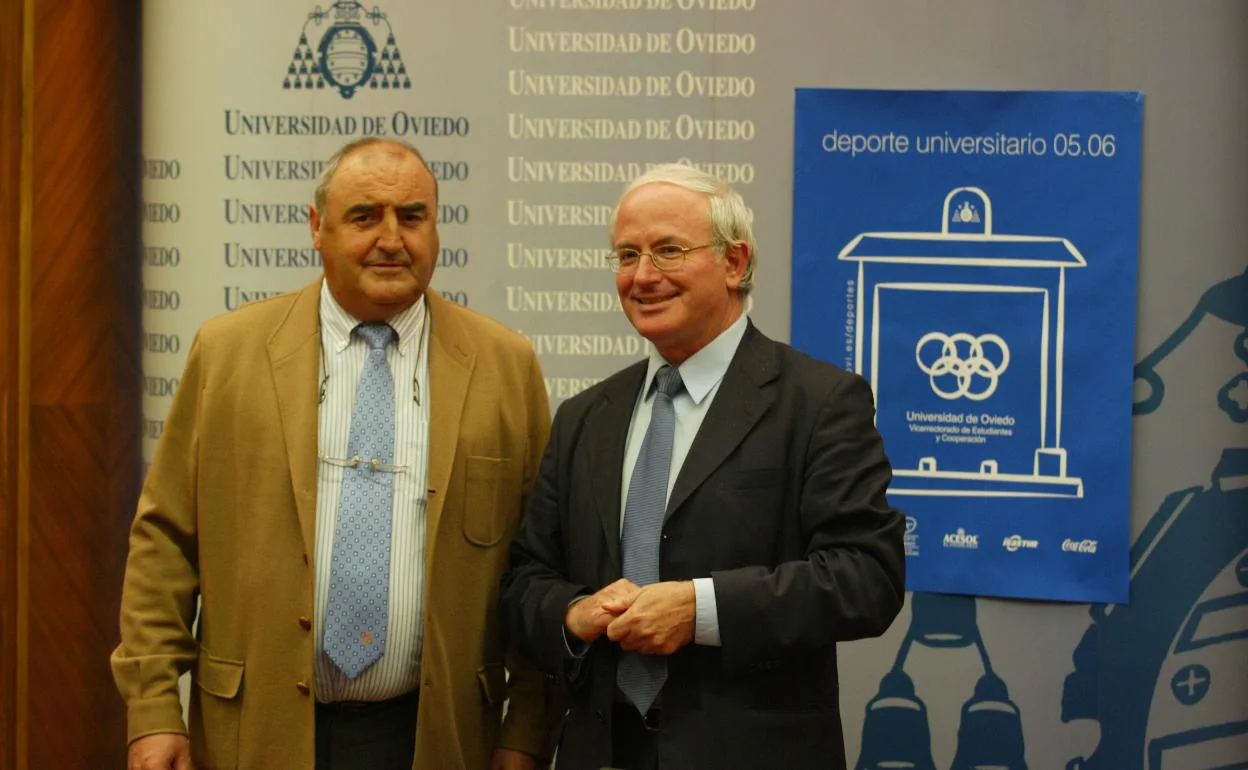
[577, 648]
[706, 615]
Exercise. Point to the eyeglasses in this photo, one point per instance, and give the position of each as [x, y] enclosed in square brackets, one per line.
[665, 258]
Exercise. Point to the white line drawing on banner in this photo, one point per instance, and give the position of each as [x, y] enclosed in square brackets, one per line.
[346, 57]
[964, 369]
[976, 266]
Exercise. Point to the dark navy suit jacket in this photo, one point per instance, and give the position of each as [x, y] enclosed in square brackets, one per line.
[782, 501]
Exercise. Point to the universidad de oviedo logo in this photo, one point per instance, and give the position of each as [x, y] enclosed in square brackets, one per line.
[346, 56]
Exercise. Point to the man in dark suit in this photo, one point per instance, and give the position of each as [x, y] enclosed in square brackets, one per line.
[707, 524]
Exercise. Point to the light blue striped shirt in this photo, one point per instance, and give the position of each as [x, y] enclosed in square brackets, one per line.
[342, 361]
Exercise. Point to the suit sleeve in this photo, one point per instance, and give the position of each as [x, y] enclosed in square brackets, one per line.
[161, 585]
[535, 703]
[535, 594]
[851, 583]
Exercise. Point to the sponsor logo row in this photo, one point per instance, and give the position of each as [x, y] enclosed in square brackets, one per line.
[969, 541]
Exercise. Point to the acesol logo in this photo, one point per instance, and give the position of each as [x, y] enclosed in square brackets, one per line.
[1015, 542]
[961, 539]
[1079, 546]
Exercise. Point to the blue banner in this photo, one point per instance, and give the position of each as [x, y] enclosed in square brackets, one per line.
[973, 255]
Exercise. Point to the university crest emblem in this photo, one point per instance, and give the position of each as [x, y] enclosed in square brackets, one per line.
[346, 55]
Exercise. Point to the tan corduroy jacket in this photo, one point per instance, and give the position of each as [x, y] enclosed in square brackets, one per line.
[228, 514]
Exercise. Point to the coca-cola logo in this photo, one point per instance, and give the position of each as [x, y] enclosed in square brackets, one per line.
[1079, 546]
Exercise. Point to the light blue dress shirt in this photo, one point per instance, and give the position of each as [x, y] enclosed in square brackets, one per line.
[702, 374]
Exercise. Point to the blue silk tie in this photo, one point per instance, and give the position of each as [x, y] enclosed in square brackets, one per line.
[639, 676]
[359, 585]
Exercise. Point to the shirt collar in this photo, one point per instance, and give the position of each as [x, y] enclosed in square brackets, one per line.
[703, 370]
[337, 324]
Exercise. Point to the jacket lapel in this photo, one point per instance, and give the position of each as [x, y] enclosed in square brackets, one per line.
[608, 423]
[294, 357]
[451, 360]
[741, 402]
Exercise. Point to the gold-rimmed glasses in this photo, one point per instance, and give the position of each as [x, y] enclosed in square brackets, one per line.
[665, 258]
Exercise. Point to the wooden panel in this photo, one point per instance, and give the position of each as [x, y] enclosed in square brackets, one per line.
[84, 366]
[11, 29]
[76, 558]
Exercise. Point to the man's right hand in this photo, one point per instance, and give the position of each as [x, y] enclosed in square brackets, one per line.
[588, 618]
[163, 751]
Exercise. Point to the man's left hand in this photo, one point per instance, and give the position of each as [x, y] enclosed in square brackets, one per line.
[660, 620]
[512, 759]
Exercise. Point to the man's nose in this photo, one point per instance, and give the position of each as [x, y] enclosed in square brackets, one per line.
[646, 271]
[388, 236]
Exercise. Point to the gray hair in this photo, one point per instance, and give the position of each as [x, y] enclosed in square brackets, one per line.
[732, 222]
[348, 149]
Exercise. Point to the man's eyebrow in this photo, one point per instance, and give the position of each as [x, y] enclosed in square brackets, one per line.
[362, 208]
[664, 241]
[403, 208]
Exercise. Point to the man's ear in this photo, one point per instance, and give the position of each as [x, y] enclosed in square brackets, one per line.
[314, 223]
[736, 257]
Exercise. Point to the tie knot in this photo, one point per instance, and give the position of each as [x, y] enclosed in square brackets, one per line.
[668, 381]
[377, 335]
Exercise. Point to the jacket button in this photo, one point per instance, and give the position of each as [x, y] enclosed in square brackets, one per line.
[303, 688]
[601, 717]
[305, 623]
[305, 559]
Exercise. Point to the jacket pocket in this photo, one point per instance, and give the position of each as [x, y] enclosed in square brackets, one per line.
[492, 494]
[751, 512]
[748, 739]
[493, 681]
[216, 705]
[753, 478]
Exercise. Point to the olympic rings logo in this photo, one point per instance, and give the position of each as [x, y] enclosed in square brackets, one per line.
[974, 363]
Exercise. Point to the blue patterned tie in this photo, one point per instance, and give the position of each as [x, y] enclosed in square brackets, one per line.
[640, 677]
[359, 584]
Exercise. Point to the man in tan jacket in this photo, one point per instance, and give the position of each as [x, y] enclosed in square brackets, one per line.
[240, 507]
